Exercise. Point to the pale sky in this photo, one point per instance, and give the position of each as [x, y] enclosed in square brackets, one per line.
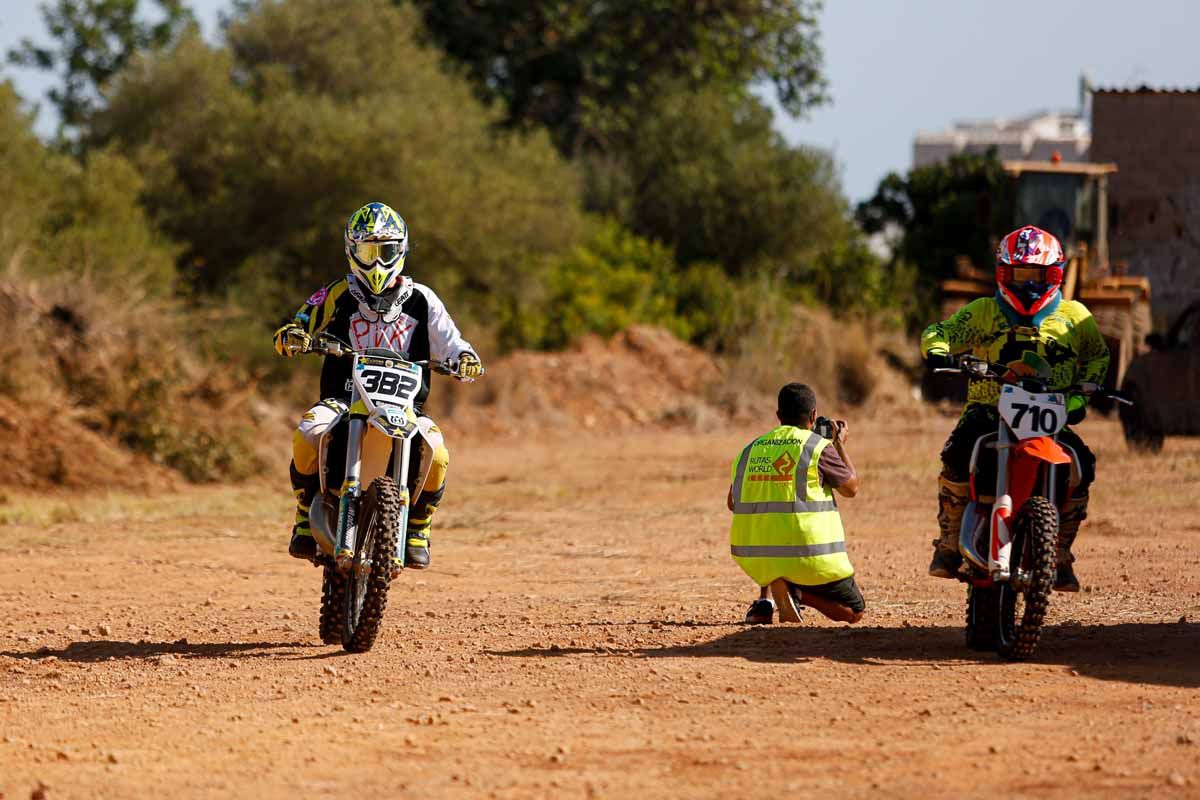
[899, 66]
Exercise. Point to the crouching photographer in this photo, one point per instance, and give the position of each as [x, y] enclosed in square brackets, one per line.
[787, 532]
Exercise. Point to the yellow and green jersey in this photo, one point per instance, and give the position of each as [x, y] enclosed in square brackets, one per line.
[1065, 346]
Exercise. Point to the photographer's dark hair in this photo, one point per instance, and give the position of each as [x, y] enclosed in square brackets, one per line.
[796, 404]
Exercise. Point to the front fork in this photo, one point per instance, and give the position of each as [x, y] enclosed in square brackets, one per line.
[1000, 551]
[347, 526]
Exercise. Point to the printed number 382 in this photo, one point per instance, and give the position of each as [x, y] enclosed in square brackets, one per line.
[393, 383]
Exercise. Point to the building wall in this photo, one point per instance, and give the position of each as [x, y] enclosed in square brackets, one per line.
[1154, 198]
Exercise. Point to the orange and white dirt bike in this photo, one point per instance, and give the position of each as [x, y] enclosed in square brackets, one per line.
[1009, 534]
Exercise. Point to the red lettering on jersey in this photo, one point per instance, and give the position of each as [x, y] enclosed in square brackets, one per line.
[392, 335]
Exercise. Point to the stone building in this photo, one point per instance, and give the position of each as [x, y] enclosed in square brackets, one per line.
[1153, 136]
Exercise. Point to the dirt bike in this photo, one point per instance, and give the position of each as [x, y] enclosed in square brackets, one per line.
[361, 535]
[1010, 559]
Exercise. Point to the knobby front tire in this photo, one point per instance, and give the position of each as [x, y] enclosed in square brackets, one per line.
[1035, 542]
[366, 589]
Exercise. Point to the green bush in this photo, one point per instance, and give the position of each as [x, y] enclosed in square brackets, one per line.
[613, 281]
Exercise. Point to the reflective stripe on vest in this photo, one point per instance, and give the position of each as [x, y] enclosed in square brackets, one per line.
[786, 550]
[801, 505]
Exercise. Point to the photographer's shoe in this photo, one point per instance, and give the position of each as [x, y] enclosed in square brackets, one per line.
[761, 612]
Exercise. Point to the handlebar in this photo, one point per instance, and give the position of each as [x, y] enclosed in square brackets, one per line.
[981, 368]
[328, 345]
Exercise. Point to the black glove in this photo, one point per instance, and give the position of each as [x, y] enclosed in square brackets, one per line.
[940, 361]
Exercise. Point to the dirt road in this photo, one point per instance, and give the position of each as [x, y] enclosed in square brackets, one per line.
[578, 636]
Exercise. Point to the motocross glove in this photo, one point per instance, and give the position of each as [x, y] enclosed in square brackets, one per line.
[292, 340]
[940, 361]
[469, 367]
[1076, 409]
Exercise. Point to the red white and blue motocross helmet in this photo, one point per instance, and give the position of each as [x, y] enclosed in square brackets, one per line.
[1029, 269]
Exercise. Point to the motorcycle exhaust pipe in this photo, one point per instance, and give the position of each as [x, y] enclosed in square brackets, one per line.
[318, 519]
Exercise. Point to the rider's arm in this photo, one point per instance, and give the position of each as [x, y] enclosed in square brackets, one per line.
[1093, 351]
[315, 315]
[966, 328]
[445, 342]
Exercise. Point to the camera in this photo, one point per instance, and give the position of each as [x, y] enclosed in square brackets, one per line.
[823, 426]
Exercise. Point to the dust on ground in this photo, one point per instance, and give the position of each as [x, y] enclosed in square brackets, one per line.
[578, 635]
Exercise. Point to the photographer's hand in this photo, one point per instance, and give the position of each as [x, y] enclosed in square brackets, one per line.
[839, 433]
[850, 487]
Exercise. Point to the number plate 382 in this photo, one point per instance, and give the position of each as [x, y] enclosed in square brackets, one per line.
[1030, 414]
[398, 383]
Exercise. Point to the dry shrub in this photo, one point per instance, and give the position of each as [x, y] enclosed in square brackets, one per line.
[110, 358]
[850, 362]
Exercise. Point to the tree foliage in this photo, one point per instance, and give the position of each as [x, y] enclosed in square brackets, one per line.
[585, 71]
[67, 218]
[93, 39]
[716, 181]
[941, 211]
[258, 151]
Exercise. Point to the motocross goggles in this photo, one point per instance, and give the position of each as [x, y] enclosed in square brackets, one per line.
[384, 254]
[1029, 287]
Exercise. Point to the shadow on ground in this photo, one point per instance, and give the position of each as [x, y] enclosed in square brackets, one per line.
[100, 650]
[1166, 654]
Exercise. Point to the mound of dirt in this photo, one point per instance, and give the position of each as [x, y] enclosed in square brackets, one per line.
[39, 451]
[641, 376]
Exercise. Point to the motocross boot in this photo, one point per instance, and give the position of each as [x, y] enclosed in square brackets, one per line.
[952, 503]
[1073, 513]
[305, 487]
[420, 521]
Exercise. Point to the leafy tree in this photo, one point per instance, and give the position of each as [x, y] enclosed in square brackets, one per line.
[716, 181]
[953, 208]
[63, 216]
[586, 70]
[92, 40]
[256, 153]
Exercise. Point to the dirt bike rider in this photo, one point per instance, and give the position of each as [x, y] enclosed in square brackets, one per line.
[1028, 326]
[373, 306]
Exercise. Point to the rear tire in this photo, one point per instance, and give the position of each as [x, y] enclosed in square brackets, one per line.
[371, 572]
[333, 602]
[1035, 550]
[983, 619]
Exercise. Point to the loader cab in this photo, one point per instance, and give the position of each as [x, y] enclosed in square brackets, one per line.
[1070, 200]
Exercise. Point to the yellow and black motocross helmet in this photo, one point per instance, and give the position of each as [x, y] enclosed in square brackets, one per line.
[376, 246]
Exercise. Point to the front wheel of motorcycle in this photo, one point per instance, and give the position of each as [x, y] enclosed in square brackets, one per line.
[371, 571]
[1022, 611]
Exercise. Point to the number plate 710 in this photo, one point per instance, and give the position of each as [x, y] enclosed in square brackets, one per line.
[1029, 414]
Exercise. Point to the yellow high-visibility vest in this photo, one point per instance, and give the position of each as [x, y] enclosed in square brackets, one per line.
[785, 524]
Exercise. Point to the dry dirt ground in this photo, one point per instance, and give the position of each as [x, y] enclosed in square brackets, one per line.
[579, 635]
